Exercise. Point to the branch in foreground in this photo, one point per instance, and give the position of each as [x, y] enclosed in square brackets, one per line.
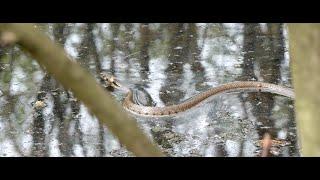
[304, 47]
[54, 60]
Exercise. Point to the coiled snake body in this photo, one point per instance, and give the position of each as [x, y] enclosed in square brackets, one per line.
[129, 105]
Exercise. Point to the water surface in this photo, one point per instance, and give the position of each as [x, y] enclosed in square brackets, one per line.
[164, 64]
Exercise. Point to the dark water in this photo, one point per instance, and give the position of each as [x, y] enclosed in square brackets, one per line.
[165, 64]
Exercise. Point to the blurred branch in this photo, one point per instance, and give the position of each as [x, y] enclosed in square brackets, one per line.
[54, 60]
[305, 60]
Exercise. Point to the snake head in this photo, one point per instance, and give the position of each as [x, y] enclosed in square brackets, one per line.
[111, 81]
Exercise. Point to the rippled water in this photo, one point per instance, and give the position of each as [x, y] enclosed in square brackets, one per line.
[165, 64]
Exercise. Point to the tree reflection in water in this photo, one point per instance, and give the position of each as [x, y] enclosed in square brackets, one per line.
[167, 62]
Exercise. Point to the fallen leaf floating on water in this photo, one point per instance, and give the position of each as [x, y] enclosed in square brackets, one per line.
[266, 145]
[39, 105]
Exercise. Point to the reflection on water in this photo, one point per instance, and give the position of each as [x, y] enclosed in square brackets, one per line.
[164, 64]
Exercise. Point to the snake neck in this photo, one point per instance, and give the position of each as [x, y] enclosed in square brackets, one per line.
[128, 99]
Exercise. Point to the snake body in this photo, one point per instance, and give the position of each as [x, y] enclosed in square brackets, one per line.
[129, 105]
[254, 86]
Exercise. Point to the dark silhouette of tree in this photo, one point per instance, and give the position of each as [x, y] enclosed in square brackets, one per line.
[38, 134]
[114, 44]
[193, 54]
[145, 38]
[249, 43]
[266, 52]
[128, 37]
[171, 94]
[60, 33]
